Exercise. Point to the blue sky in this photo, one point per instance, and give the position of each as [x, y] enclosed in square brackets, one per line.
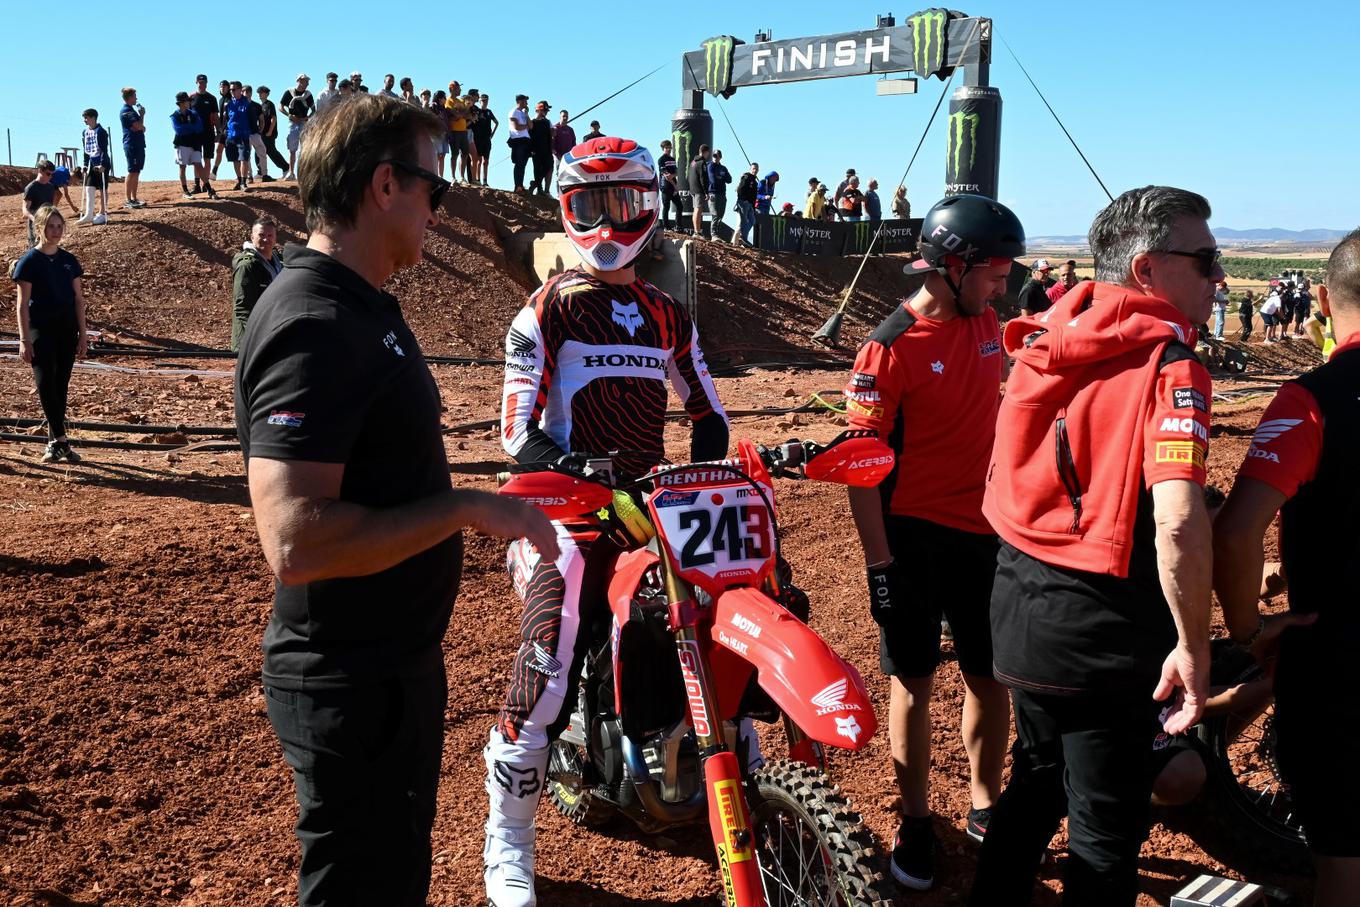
[1244, 102]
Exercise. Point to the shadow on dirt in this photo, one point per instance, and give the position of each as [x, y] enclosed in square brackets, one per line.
[135, 479]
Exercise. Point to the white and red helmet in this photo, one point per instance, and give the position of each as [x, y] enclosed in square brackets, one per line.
[610, 197]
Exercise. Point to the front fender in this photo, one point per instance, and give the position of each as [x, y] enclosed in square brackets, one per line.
[819, 690]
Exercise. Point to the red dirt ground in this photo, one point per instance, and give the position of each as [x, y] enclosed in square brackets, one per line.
[137, 766]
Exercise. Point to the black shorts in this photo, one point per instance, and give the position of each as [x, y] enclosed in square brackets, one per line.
[95, 177]
[949, 573]
[483, 145]
[1318, 748]
[238, 150]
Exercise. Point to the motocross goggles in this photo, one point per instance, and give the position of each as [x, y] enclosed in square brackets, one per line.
[623, 207]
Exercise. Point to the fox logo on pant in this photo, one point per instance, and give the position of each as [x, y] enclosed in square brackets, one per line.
[519, 782]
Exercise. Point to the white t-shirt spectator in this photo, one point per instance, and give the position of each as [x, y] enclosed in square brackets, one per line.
[519, 124]
[1271, 305]
[330, 94]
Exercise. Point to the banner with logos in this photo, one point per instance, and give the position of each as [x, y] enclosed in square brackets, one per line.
[775, 233]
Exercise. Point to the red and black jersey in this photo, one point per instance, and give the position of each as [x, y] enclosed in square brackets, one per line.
[930, 390]
[586, 369]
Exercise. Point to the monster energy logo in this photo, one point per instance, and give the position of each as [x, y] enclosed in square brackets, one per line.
[959, 121]
[864, 234]
[781, 230]
[928, 33]
[718, 64]
[681, 140]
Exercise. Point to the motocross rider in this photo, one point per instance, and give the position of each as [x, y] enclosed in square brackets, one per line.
[927, 381]
[587, 361]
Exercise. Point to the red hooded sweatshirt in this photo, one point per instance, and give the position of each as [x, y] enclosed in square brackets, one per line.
[1106, 399]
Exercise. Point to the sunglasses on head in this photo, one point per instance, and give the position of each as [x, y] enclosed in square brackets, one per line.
[1207, 258]
[438, 185]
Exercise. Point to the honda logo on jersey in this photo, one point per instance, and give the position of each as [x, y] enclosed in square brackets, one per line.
[627, 317]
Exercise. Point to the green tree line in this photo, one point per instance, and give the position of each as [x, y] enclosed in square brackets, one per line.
[1266, 268]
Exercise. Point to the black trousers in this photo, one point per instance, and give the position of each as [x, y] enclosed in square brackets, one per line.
[667, 200]
[1087, 758]
[543, 167]
[1246, 325]
[54, 358]
[278, 159]
[519, 156]
[365, 763]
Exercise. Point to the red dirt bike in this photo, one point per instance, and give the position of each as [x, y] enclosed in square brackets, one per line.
[708, 631]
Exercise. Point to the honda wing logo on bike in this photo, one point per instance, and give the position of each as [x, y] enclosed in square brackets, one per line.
[831, 699]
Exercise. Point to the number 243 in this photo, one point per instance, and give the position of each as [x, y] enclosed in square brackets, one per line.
[727, 535]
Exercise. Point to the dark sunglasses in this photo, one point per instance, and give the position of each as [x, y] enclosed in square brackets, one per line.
[1207, 258]
[438, 185]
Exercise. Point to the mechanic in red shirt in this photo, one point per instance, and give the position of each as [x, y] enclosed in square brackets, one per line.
[1096, 487]
[928, 381]
[1301, 463]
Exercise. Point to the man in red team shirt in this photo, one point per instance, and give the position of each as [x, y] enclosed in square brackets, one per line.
[1301, 464]
[1096, 487]
[928, 383]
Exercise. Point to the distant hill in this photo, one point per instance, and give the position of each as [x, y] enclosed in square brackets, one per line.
[1256, 234]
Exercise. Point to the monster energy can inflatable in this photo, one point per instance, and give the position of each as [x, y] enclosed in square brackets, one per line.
[973, 149]
[690, 128]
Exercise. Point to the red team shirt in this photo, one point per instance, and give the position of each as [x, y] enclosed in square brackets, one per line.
[1287, 445]
[930, 389]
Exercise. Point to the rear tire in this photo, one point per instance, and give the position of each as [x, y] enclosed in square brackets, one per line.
[813, 849]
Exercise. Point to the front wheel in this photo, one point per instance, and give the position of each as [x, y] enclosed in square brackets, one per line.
[813, 849]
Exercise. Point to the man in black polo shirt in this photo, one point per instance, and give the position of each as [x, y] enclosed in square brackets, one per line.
[338, 418]
[1301, 464]
[204, 104]
[1034, 294]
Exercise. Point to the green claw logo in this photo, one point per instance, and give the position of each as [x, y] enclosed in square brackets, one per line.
[718, 64]
[929, 30]
[864, 233]
[680, 140]
[959, 122]
[781, 231]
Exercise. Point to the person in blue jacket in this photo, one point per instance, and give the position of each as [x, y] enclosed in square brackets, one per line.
[718, 179]
[765, 191]
[237, 115]
[188, 141]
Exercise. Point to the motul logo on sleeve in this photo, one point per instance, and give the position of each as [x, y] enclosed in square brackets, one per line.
[1186, 426]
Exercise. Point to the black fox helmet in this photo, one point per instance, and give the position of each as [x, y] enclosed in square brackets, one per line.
[972, 229]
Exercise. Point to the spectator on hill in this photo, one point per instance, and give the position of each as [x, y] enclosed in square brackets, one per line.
[816, 200]
[901, 208]
[389, 83]
[223, 99]
[134, 145]
[95, 142]
[747, 196]
[670, 196]
[483, 131]
[852, 201]
[665, 155]
[540, 147]
[299, 106]
[330, 94]
[765, 191]
[424, 102]
[344, 89]
[474, 157]
[873, 207]
[51, 316]
[252, 271]
[36, 194]
[237, 117]
[698, 188]
[1034, 294]
[719, 177]
[1220, 307]
[1303, 307]
[441, 147]
[188, 129]
[1244, 312]
[338, 418]
[594, 132]
[269, 133]
[256, 140]
[841, 187]
[563, 139]
[458, 123]
[519, 139]
[1067, 279]
[204, 104]
[408, 91]
[356, 83]
[1270, 315]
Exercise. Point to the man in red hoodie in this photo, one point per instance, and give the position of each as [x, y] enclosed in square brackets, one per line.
[928, 382]
[1096, 488]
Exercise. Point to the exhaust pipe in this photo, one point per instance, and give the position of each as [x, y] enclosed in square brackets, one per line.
[686, 811]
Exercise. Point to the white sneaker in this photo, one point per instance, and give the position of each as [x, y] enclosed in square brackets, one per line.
[99, 220]
[509, 874]
[85, 219]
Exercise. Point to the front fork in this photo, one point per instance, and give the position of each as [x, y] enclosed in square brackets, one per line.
[729, 819]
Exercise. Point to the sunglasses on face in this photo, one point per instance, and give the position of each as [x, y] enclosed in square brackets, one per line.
[438, 185]
[1208, 258]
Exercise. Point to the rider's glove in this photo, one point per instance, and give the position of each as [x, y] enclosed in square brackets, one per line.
[885, 592]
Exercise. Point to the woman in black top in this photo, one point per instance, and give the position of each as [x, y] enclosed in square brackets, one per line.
[51, 311]
[1244, 312]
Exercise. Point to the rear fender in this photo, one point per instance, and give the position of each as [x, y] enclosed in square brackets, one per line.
[819, 690]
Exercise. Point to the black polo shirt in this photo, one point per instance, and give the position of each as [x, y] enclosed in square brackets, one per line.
[330, 372]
